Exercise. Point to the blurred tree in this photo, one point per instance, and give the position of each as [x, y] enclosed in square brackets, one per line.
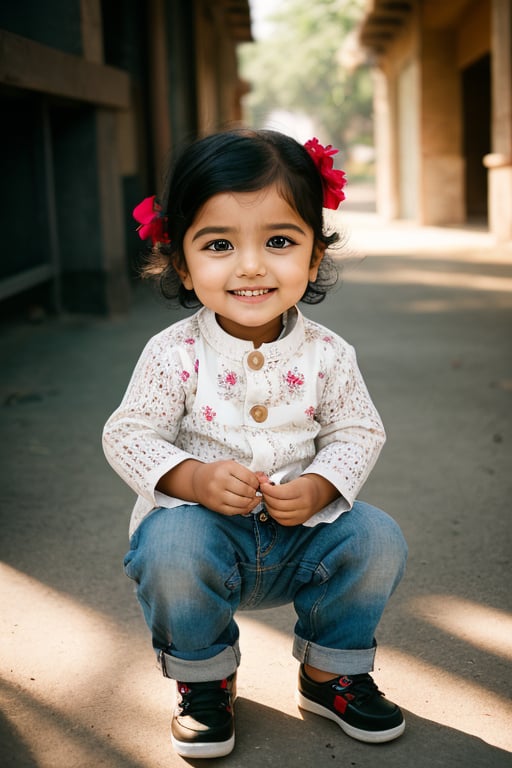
[309, 64]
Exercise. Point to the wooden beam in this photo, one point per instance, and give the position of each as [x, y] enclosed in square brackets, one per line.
[35, 67]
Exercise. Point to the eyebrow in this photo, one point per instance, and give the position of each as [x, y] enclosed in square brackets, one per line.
[285, 225]
[227, 230]
[212, 231]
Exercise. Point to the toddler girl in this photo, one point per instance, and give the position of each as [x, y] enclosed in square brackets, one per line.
[247, 432]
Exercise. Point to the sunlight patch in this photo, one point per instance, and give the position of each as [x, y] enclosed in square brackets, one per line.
[480, 626]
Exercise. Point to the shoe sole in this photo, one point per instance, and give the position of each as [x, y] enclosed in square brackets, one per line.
[203, 749]
[370, 737]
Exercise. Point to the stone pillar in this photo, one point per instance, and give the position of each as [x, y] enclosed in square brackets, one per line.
[385, 145]
[499, 162]
[442, 163]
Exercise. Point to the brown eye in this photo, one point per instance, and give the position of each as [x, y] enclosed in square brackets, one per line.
[279, 241]
[219, 245]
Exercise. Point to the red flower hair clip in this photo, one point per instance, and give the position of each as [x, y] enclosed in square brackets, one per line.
[152, 222]
[333, 181]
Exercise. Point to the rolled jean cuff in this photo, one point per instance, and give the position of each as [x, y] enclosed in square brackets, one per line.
[337, 661]
[217, 668]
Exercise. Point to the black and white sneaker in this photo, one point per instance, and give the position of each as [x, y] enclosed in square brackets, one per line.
[355, 703]
[203, 722]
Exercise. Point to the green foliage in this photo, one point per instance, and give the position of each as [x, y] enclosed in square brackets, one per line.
[301, 68]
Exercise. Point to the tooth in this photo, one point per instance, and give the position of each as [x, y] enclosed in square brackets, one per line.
[259, 292]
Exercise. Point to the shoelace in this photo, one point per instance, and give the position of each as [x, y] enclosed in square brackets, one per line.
[201, 696]
[361, 687]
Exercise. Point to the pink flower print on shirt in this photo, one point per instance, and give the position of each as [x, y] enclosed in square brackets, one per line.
[310, 412]
[190, 341]
[294, 379]
[196, 366]
[227, 384]
[184, 375]
[208, 413]
[228, 379]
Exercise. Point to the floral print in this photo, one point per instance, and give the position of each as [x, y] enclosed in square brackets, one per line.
[208, 413]
[294, 379]
[310, 412]
[227, 382]
[293, 385]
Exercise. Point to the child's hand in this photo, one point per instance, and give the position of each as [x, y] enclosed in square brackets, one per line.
[295, 502]
[225, 487]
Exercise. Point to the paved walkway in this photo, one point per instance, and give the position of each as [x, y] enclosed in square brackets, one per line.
[430, 312]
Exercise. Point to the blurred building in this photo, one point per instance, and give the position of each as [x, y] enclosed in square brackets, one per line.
[94, 95]
[443, 110]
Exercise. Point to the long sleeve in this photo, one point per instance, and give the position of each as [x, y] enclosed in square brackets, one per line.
[351, 434]
[139, 438]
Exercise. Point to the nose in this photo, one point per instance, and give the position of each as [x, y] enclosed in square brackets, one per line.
[251, 262]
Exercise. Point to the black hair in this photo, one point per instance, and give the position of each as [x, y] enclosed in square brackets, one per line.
[239, 160]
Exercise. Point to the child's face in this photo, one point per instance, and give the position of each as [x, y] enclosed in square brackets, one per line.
[249, 258]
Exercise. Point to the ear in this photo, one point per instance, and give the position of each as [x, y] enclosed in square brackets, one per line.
[316, 258]
[183, 274]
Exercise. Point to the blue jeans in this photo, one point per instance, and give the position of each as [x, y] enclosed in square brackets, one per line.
[195, 568]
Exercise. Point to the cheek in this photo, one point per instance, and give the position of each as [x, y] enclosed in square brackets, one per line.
[203, 275]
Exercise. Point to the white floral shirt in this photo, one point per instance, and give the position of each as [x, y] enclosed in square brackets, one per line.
[293, 406]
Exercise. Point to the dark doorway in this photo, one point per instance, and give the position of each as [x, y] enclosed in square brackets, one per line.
[476, 89]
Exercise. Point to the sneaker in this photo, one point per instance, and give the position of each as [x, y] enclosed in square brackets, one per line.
[203, 724]
[355, 703]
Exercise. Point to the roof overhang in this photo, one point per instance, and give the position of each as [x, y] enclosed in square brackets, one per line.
[239, 20]
[385, 19]
[382, 22]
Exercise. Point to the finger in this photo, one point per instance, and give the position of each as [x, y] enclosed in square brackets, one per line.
[245, 476]
[285, 491]
[282, 504]
[239, 502]
[241, 488]
[288, 519]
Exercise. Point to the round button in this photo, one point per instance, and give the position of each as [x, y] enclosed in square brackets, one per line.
[255, 360]
[259, 413]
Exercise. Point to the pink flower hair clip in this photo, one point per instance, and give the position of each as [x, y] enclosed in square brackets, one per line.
[152, 222]
[333, 180]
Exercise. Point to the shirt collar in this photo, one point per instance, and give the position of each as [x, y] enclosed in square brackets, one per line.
[235, 349]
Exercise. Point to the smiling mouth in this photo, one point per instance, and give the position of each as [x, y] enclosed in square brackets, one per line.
[257, 292]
